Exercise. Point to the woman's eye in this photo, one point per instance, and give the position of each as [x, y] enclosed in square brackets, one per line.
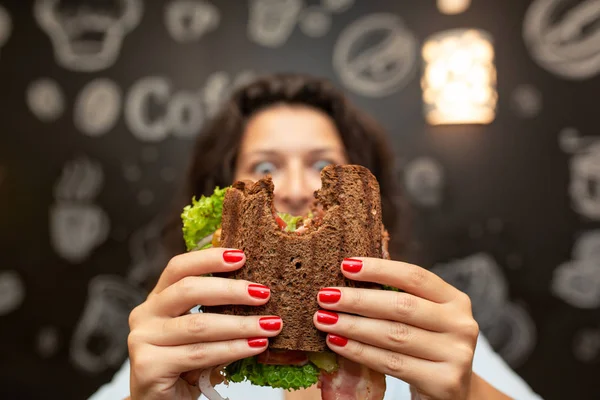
[264, 168]
[319, 165]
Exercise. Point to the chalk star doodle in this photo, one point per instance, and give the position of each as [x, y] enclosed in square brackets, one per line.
[77, 225]
[507, 326]
[563, 37]
[584, 187]
[45, 99]
[5, 26]
[375, 70]
[577, 282]
[100, 338]
[97, 107]
[87, 37]
[190, 20]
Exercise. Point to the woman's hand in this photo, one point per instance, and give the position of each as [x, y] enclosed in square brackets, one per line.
[166, 341]
[425, 336]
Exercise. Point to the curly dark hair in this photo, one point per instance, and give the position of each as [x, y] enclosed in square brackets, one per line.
[214, 155]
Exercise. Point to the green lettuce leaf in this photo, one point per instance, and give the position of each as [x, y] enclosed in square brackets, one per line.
[202, 218]
[290, 221]
[289, 377]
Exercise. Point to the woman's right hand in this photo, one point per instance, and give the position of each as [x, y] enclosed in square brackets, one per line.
[166, 341]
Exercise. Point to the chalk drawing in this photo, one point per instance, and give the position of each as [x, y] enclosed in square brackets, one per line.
[577, 282]
[100, 338]
[375, 69]
[97, 107]
[87, 37]
[271, 22]
[77, 225]
[563, 37]
[314, 22]
[190, 20]
[424, 181]
[12, 291]
[5, 27]
[45, 99]
[526, 101]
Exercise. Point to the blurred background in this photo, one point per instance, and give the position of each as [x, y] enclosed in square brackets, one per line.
[493, 110]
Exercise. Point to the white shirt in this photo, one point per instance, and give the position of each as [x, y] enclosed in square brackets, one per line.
[486, 363]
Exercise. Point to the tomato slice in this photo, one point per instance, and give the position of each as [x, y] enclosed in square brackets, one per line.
[280, 222]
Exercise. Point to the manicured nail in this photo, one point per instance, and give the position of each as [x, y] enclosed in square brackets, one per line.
[337, 340]
[258, 291]
[351, 265]
[329, 295]
[233, 256]
[257, 342]
[270, 323]
[327, 317]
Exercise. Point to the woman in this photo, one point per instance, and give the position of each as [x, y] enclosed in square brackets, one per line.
[291, 126]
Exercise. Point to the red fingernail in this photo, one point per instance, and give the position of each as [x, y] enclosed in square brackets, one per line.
[351, 265]
[327, 317]
[337, 340]
[329, 295]
[232, 256]
[257, 342]
[258, 291]
[270, 323]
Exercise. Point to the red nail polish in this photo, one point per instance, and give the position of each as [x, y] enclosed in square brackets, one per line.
[327, 317]
[258, 291]
[351, 265]
[270, 323]
[233, 256]
[337, 340]
[329, 295]
[257, 342]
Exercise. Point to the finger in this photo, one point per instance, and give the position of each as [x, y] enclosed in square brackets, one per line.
[203, 355]
[394, 336]
[197, 263]
[166, 361]
[408, 277]
[411, 370]
[207, 291]
[204, 327]
[383, 304]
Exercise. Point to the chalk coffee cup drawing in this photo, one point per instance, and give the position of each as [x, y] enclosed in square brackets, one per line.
[100, 338]
[77, 225]
[87, 37]
[375, 70]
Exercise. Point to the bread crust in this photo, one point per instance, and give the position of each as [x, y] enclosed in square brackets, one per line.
[296, 266]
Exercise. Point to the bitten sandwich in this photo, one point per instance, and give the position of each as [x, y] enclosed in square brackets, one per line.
[295, 257]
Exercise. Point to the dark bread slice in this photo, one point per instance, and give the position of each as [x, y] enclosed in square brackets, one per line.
[295, 266]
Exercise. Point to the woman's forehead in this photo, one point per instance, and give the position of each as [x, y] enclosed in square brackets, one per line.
[290, 128]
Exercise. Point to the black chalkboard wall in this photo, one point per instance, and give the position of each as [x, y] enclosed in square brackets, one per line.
[94, 139]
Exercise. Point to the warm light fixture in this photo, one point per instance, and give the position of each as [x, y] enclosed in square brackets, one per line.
[459, 78]
[453, 6]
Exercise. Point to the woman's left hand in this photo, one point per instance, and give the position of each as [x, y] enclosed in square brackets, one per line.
[425, 336]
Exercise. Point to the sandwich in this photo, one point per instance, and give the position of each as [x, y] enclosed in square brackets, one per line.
[295, 256]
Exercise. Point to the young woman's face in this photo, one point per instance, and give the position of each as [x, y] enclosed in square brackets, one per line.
[293, 144]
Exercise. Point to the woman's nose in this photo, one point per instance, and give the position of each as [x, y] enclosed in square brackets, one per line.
[294, 191]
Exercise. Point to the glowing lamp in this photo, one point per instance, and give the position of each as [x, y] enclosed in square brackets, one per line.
[451, 7]
[459, 78]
